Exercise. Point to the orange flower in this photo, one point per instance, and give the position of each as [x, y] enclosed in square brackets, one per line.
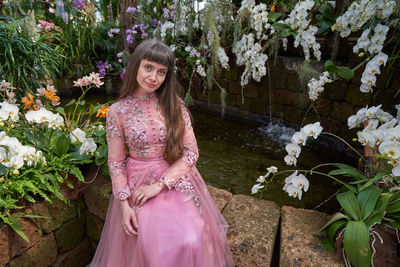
[28, 100]
[51, 96]
[102, 113]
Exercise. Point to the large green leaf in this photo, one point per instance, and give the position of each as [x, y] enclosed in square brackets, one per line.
[345, 73]
[62, 144]
[356, 243]
[274, 16]
[347, 170]
[349, 203]
[326, 11]
[330, 66]
[336, 217]
[367, 200]
[283, 28]
[329, 242]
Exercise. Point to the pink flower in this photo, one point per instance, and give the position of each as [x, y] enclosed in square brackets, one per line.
[45, 25]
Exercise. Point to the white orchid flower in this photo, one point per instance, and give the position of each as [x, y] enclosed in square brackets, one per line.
[368, 78]
[299, 138]
[288, 180]
[390, 148]
[352, 121]
[11, 109]
[388, 124]
[300, 181]
[366, 138]
[88, 146]
[261, 179]
[313, 130]
[293, 191]
[361, 114]
[3, 115]
[272, 169]
[255, 188]
[77, 135]
[381, 58]
[396, 170]
[392, 134]
[369, 113]
[290, 160]
[293, 149]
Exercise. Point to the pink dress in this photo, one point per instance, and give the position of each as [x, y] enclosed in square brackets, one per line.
[181, 226]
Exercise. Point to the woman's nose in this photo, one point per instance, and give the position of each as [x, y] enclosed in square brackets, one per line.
[153, 75]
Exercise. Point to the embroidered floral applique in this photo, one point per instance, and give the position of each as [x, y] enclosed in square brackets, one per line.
[117, 167]
[189, 156]
[123, 193]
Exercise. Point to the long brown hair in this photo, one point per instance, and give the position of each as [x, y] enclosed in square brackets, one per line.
[168, 92]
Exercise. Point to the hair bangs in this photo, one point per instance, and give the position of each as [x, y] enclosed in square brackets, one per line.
[160, 54]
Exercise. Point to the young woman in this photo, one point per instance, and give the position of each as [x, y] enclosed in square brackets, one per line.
[162, 214]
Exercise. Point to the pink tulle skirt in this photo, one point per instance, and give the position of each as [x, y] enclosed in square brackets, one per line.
[173, 231]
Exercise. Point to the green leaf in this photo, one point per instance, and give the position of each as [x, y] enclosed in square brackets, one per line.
[274, 16]
[367, 200]
[62, 144]
[394, 205]
[347, 170]
[395, 225]
[373, 180]
[337, 216]
[326, 11]
[329, 242]
[283, 28]
[356, 243]
[3, 170]
[330, 66]
[345, 73]
[60, 110]
[349, 204]
[73, 101]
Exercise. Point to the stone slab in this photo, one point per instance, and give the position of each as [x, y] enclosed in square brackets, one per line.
[79, 256]
[43, 253]
[253, 225]
[94, 226]
[97, 199]
[11, 244]
[300, 247]
[221, 197]
[58, 213]
[70, 234]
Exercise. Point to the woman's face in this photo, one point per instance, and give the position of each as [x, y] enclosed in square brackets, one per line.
[150, 76]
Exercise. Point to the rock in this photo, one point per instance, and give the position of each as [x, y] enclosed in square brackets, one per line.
[43, 253]
[94, 226]
[79, 256]
[284, 97]
[70, 234]
[58, 213]
[342, 110]
[221, 197]
[299, 245]
[12, 244]
[97, 199]
[252, 232]
[355, 97]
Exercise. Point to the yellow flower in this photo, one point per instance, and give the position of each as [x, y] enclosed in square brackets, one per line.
[102, 113]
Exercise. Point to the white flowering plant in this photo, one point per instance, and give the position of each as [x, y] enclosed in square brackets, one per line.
[42, 143]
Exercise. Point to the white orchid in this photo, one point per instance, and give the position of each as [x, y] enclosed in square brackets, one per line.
[301, 182]
[293, 149]
[299, 138]
[290, 160]
[390, 148]
[256, 188]
[313, 130]
[77, 135]
[272, 169]
[88, 146]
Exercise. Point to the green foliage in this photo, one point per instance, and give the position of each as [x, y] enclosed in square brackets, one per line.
[325, 19]
[343, 72]
[26, 61]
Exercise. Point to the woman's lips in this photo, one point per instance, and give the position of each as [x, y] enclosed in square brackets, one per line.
[150, 84]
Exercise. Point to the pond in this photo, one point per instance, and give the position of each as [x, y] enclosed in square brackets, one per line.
[234, 151]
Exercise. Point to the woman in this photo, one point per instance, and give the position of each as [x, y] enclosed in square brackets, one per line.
[162, 213]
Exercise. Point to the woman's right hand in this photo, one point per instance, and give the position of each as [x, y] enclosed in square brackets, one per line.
[128, 217]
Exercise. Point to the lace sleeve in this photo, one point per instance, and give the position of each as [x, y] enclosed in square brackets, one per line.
[117, 155]
[177, 171]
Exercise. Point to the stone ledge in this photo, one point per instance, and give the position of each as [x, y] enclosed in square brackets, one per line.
[220, 196]
[299, 244]
[252, 231]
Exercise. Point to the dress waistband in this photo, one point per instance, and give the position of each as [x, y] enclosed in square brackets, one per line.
[146, 158]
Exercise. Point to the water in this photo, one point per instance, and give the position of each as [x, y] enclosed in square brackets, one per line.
[233, 153]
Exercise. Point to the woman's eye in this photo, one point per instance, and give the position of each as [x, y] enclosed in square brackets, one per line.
[162, 72]
[147, 67]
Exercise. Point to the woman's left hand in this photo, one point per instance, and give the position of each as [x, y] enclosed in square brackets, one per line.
[145, 192]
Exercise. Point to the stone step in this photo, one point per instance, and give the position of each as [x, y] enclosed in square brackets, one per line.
[299, 242]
